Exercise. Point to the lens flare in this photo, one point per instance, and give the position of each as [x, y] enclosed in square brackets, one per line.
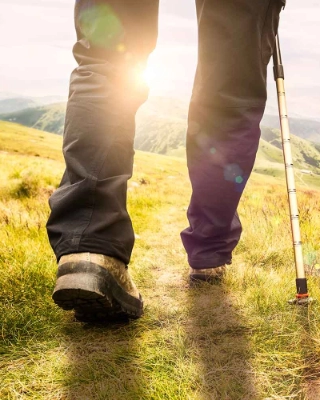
[233, 173]
[101, 26]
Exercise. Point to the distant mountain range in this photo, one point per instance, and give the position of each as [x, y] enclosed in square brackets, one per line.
[161, 126]
[48, 118]
[10, 103]
[306, 155]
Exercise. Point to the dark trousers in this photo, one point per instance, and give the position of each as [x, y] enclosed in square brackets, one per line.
[114, 39]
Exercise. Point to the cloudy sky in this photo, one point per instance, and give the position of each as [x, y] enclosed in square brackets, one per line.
[37, 37]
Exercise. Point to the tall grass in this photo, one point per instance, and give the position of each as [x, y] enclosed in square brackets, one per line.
[237, 340]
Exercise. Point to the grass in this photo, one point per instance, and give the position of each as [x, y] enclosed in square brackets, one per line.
[17, 139]
[237, 340]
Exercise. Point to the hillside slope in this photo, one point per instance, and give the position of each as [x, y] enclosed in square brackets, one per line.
[19, 139]
[170, 114]
[302, 127]
[46, 118]
[237, 339]
[305, 154]
[12, 103]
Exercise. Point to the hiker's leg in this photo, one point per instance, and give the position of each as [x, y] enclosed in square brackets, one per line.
[236, 39]
[88, 211]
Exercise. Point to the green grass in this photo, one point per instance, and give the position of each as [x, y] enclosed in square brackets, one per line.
[268, 152]
[238, 340]
[18, 139]
[48, 118]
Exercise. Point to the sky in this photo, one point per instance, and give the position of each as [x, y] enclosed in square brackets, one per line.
[37, 38]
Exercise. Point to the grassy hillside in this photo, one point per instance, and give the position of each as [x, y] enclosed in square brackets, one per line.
[160, 135]
[305, 154]
[237, 340]
[18, 139]
[46, 118]
[10, 102]
[269, 161]
[157, 120]
[304, 128]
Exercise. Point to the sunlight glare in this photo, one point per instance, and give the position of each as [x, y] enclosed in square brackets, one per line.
[148, 76]
[155, 76]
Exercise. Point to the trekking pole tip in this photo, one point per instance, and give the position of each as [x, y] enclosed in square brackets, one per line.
[301, 301]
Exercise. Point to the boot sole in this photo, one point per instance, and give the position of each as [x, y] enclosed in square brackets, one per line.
[93, 293]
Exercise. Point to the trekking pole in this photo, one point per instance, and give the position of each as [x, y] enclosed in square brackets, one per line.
[302, 296]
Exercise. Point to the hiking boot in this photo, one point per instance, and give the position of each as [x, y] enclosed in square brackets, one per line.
[207, 275]
[97, 287]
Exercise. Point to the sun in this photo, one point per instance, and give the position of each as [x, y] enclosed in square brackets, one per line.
[145, 76]
[149, 76]
[155, 76]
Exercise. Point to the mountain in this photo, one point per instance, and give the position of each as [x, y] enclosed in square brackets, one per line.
[10, 103]
[9, 95]
[174, 110]
[308, 129]
[46, 118]
[269, 160]
[161, 128]
[161, 122]
[305, 154]
[16, 104]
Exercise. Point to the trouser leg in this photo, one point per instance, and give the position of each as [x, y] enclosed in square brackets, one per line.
[88, 211]
[236, 39]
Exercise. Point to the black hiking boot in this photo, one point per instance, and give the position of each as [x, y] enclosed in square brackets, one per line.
[99, 288]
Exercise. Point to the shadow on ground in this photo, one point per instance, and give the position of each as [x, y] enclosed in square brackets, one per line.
[219, 339]
[207, 340]
[307, 318]
[102, 362]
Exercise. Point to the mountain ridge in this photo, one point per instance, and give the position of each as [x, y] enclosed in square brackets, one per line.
[269, 160]
[173, 110]
[162, 124]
